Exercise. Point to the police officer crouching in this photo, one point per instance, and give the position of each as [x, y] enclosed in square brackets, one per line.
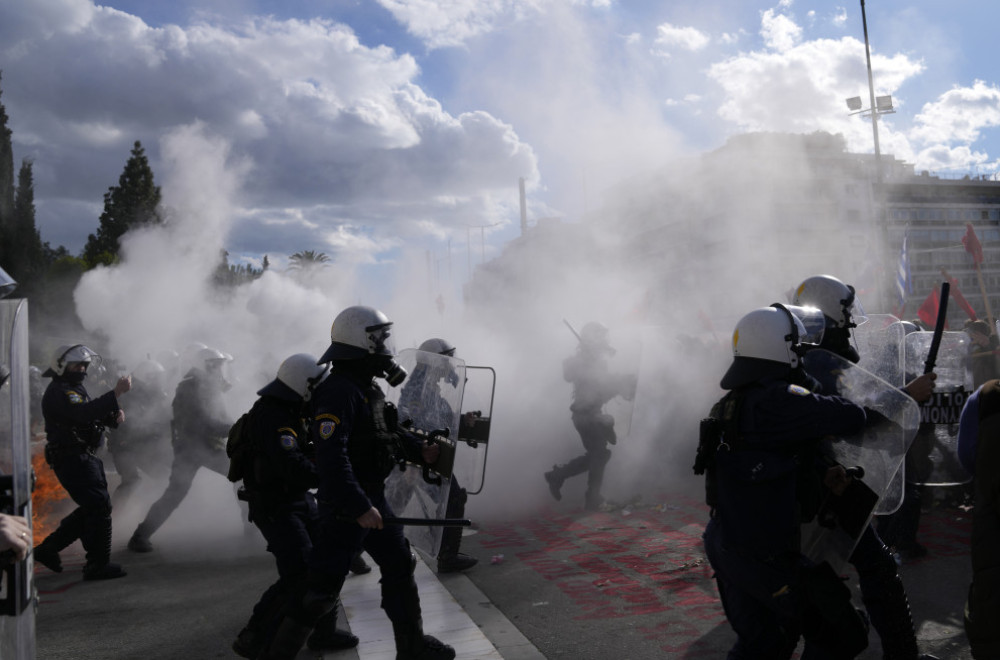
[74, 428]
[357, 446]
[759, 450]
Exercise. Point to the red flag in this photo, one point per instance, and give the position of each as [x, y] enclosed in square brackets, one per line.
[957, 295]
[972, 244]
[929, 309]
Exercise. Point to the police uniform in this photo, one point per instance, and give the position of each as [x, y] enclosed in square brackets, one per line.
[419, 400]
[277, 475]
[355, 451]
[882, 590]
[764, 484]
[593, 387]
[199, 431]
[74, 427]
[141, 443]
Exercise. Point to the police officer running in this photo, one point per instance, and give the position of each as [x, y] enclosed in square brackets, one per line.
[74, 427]
[593, 386]
[758, 450]
[357, 445]
[274, 459]
[200, 427]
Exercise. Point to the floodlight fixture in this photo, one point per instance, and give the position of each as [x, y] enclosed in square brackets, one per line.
[883, 104]
[7, 284]
[854, 103]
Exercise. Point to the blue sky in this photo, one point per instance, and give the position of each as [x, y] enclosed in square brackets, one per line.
[381, 131]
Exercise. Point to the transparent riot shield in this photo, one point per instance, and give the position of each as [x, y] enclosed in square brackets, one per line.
[17, 590]
[474, 428]
[880, 341]
[875, 455]
[933, 458]
[429, 404]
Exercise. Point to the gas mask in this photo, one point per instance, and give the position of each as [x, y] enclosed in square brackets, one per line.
[386, 367]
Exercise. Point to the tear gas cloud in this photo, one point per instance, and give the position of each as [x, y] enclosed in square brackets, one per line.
[674, 249]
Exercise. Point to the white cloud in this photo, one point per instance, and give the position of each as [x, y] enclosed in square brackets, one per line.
[779, 31]
[686, 38]
[959, 115]
[328, 123]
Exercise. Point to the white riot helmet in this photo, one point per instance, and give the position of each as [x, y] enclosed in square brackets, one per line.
[211, 358]
[446, 348]
[148, 371]
[297, 377]
[68, 354]
[439, 346]
[837, 300]
[766, 344]
[361, 332]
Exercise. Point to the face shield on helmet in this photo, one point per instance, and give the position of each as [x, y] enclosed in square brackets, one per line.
[766, 345]
[442, 347]
[297, 378]
[67, 355]
[838, 301]
[362, 332]
[439, 346]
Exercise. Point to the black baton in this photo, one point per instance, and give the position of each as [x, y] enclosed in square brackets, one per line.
[938, 329]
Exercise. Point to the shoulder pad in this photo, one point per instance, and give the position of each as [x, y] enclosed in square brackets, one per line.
[798, 390]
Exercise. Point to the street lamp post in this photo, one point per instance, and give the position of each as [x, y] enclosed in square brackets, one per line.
[878, 106]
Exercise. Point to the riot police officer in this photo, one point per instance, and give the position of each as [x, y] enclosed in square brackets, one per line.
[882, 590]
[593, 386]
[357, 445]
[74, 427]
[200, 427]
[758, 450]
[142, 443]
[274, 460]
[437, 412]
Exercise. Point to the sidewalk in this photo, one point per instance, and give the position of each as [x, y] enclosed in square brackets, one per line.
[180, 601]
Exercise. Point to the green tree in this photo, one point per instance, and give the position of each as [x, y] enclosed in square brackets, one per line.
[27, 263]
[307, 260]
[134, 202]
[6, 189]
[229, 275]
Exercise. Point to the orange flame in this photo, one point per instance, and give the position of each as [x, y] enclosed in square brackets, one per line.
[46, 499]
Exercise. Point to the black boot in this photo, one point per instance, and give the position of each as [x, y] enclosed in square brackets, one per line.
[287, 640]
[413, 644]
[96, 541]
[140, 539]
[359, 566]
[327, 636]
[249, 643]
[69, 529]
[449, 559]
[555, 481]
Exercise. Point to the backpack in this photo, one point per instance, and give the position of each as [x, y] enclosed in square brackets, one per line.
[238, 447]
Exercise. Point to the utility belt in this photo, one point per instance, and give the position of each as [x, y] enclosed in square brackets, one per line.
[55, 453]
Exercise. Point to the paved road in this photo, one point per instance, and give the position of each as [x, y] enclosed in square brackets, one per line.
[627, 584]
[635, 583]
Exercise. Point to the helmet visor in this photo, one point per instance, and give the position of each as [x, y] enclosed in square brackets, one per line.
[813, 321]
[853, 308]
[380, 340]
[81, 353]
